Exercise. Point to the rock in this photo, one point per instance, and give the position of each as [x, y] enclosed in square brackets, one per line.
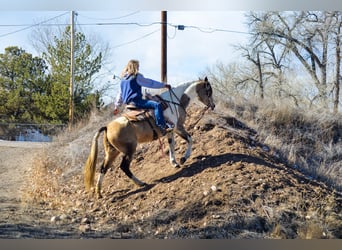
[84, 228]
[216, 216]
[55, 219]
[85, 221]
[65, 217]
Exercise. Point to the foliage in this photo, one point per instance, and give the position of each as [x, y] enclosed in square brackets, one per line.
[36, 90]
[86, 66]
[22, 77]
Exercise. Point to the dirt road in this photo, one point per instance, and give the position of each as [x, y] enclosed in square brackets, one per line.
[14, 166]
[16, 219]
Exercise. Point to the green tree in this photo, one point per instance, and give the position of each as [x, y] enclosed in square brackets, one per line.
[87, 64]
[22, 76]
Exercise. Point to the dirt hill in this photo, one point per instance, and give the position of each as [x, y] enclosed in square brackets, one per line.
[231, 187]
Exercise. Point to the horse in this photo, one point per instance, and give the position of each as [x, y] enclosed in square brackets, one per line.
[122, 135]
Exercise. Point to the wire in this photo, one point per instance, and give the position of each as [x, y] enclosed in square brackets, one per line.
[173, 36]
[16, 31]
[142, 37]
[121, 23]
[113, 18]
[208, 30]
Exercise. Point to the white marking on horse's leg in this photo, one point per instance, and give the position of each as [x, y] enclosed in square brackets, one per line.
[171, 142]
[99, 185]
[188, 150]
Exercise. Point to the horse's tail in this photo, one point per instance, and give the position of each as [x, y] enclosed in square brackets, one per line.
[90, 166]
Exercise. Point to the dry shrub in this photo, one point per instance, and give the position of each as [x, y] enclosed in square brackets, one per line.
[44, 183]
[57, 173]
[311, 230]
[307, 139]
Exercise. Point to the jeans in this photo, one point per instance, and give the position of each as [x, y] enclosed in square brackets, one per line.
[158, 110]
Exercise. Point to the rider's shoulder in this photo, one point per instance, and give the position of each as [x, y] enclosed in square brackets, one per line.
[139, 75]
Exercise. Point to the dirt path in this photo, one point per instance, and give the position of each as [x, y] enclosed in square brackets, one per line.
[14, 166]
[16, 220]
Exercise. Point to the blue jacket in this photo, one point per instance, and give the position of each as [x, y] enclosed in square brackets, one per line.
[130, 88]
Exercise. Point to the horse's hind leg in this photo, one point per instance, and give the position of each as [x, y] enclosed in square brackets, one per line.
[125, 163]
[111, 154]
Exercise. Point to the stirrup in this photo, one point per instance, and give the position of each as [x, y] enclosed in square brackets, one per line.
[165, 130]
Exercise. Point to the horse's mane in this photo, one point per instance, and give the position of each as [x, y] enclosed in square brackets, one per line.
[178, 90]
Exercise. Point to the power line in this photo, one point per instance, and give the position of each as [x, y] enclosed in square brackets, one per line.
[178, 27]
[113, 18]
[142, 37]
[31, 26]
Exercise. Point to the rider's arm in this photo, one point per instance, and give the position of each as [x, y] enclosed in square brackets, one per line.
[117, 103]
[149, 83]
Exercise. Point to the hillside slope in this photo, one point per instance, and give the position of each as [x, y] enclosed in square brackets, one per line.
[231, 187]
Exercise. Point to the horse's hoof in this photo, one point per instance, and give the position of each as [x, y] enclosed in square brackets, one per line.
[175, 164]
[182, 160]
[140, 183]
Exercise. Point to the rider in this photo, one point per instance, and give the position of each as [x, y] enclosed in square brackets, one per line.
[130, 92]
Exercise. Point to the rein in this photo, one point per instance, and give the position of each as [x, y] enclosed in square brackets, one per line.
[178, 103]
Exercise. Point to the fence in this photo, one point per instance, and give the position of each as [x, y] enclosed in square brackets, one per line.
[29, 132]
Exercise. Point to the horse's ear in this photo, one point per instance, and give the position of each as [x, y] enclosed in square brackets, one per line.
[206, 79]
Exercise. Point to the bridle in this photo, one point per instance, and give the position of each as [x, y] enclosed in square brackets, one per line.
[209, 92]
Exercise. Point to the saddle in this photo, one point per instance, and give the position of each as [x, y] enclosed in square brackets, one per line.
[135, 114]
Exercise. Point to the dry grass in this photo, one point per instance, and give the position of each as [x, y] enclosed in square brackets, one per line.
[64, 163]
[309, 140]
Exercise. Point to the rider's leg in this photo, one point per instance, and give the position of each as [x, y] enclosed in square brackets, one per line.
[158, 110]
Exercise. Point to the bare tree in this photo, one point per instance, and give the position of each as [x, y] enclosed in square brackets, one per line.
[268, 58]
[308, 36]
[338, 19]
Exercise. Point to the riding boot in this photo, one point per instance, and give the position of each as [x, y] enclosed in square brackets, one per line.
[165, 129]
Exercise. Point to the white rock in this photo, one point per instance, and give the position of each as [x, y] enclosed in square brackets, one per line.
[55, 218]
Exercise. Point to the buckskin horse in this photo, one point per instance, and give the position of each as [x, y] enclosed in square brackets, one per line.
[123, 134]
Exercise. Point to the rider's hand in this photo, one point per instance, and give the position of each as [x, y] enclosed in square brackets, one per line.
[168, 86]
[116, 111]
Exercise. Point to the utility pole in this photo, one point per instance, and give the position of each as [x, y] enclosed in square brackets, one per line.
[164, 46]
[72, 70]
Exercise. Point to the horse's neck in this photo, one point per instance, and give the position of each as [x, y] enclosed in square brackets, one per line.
[191, 92]
[181, 90]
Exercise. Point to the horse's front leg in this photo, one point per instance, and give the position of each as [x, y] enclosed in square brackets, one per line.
[187, 137]
[171, 141]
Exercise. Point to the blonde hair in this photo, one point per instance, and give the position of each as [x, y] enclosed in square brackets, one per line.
[132, 68]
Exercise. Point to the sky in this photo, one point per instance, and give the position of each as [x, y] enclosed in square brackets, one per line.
[208, 38]
[211, 29]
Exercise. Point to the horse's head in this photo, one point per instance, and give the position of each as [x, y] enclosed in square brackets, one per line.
[205, 93]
